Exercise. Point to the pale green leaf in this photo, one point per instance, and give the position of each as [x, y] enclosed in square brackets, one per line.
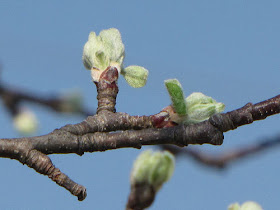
[136, 76]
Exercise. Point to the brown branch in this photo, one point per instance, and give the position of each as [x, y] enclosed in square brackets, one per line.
[109, 130]
[107, 90]
[141, 196]
[21, 151]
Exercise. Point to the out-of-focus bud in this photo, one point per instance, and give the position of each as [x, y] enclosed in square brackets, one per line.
[26, 122]
[249, 205]
[150, 171]
[234, 206]
[153, 168]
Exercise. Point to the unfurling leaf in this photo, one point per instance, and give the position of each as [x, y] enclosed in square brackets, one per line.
[176, 94]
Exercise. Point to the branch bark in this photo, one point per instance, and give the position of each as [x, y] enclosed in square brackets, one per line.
[109, 130]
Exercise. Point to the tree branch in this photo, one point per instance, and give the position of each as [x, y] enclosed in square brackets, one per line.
[109, 130]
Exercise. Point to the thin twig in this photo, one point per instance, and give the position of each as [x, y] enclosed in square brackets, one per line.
[222, 161]
[13, 97]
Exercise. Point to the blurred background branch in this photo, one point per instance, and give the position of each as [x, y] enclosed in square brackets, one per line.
[226, 158]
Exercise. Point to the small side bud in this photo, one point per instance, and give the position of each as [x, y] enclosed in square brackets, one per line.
[200, 107]
[26, 122]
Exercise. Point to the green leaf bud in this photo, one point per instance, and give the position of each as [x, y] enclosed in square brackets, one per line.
[153, 168]
[136, 76]
[102, 51]
[107, 49]
[200, 107]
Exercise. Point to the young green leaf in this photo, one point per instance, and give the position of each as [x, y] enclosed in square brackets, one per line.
[176, 94]
[112, 41]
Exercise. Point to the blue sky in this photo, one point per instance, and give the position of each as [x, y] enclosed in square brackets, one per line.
[226, 49]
